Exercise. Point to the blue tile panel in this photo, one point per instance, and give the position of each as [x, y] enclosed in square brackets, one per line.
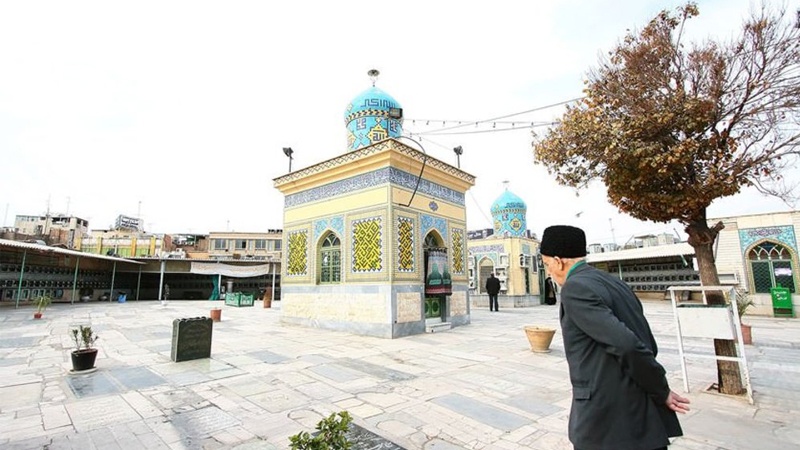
[336, 224]
[487, 251]
[434, 223]
[386, 175]
[783, 234]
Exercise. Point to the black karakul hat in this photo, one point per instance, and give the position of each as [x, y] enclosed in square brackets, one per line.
[564, 241]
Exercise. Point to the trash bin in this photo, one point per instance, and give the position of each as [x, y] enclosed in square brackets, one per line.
[781, 302]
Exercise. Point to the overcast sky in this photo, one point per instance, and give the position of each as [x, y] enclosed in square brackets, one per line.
[177, 112]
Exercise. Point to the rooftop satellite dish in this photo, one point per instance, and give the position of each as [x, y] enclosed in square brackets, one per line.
[373, 75]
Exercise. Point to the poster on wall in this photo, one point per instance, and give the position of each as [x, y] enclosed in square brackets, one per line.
[437, 278]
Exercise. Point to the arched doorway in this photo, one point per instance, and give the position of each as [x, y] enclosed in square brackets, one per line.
[438, 283]
[485, 267]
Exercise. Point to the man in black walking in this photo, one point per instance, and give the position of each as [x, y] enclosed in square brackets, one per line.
[492, 288]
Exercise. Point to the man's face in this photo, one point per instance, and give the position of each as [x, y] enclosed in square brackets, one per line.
[555, 267]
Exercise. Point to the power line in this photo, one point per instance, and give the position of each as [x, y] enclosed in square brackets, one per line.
[469, 192]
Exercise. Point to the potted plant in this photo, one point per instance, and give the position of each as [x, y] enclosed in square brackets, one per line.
[743, 302]
[41, 302]
[84, 355]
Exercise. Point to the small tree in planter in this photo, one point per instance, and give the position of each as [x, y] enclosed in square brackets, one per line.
[84, 355]
[41, 302]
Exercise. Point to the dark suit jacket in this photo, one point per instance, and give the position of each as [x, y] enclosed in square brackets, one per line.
[492, 285]
[618, 388]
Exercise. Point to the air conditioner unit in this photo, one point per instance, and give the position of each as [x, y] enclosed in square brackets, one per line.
[524, 260]
[503, 260]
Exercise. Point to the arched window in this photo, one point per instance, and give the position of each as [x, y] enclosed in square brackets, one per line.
[330, 257]
[771, 266]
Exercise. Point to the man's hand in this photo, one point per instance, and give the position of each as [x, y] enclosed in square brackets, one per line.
[677, 403]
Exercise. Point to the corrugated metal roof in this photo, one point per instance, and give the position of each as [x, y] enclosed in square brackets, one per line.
[657, 251]
[62, 251]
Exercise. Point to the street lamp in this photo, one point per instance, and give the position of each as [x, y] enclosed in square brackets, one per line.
[458, 151]
[288, 152]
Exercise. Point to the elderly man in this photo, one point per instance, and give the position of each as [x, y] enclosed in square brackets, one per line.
[620, 396]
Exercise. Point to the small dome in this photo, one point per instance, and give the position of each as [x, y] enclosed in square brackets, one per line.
[508, 200]
[508, 213]
[372, 116]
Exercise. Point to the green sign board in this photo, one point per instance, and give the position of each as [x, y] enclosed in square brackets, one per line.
[781, 302]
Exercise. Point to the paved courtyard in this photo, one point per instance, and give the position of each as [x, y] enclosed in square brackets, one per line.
[476, 387]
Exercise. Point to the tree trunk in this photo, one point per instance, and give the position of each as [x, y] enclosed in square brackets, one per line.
[702, 239]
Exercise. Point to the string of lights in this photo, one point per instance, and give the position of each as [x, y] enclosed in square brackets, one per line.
[515, 124]
[493, 120]
[478, 206]
[491, 130]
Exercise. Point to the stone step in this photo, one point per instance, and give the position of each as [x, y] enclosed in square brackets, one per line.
[438, 327]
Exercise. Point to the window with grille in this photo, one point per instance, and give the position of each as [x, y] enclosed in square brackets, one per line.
[330, 260]
[771, 266]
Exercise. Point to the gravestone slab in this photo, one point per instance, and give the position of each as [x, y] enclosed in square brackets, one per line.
[482, 412]
[361, 438]
[375, 370]
[135, 378]
[90, 414]
[191, 338]
[202, 423]
[268, 356]
[96, 383]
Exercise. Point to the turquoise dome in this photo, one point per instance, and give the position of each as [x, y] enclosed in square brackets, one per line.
[508, 214]
[372, 116]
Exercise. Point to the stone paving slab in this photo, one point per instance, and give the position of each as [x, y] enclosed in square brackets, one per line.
[268, 356]
[91, 414]
[20, 395]
[482, 412]
[375, 370]
[204, 422]
[477, 386]
[533, 404]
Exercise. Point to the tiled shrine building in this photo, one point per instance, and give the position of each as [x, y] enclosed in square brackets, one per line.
[509, 251]
[375, 239]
